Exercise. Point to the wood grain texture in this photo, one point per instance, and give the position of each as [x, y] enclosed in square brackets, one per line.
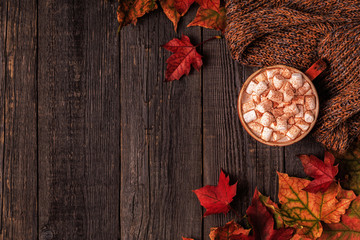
[226, 143]
[223, 139]
[3, 18]
[161, 136]
[19, 120]
[94, 145]
[78, 120]
[308, 145]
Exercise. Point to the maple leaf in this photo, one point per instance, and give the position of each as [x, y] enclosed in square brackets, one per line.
[182, 6]
[262, 221]
[348, 228]
[230, 231]
[184, 56]
[305, 210]
[184, 238]
[209, 18]
[350, 162]
[209, 4]
[170, 11]
[217, 199]
[323, 172]
[130, 10]
[274, 209]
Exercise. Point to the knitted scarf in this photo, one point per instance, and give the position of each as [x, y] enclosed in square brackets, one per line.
[297, 33]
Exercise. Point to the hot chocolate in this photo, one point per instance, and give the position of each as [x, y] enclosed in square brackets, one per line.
[279, 105]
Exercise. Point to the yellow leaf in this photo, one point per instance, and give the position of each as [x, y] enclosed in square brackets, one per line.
[305, 210]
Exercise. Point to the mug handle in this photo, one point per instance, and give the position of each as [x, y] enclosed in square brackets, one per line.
[318, 67]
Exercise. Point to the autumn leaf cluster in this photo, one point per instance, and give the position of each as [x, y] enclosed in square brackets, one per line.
[209, 15]
[309, 209]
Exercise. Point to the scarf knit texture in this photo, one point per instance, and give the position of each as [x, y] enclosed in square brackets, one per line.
[297, 33]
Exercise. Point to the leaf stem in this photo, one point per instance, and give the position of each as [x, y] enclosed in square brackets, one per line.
[237, 214]
[212, 38]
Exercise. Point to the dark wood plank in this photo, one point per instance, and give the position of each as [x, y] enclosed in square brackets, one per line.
[3, 18]
[79, 114]
[19, 120]
[160, 136]
[226, 143]
[308, 145]
[223, 140]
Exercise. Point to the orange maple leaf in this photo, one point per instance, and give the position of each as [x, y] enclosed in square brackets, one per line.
[305, 210]
[170, 11]
[130, 10]
[209, 18]
[348, 228]
[231, 230]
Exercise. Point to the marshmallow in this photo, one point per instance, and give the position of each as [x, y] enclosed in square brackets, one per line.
[271, 73]
[284, 139]
[248, 106]
[293, 132]
[256, 128]
[278, 112]
[266, 119]
[298, 100]
[310, 102]
[281, 123]
[285, 73]
[309, 116]
[251, 87]
[291, 121]
[287, 86]
[264, 106]
[309, 92]
[275, 96]
[300, 114]
[288, 95]
[302, 90]
[302, 124]
[260, 88]
[278, 81]
[296, 80]
[261, 78]
[282, 104]
[266, 133]
[255, 98]
[250, 116]
[277, 136]
[291, 110]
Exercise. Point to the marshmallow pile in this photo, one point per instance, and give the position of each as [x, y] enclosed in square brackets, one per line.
[278, 105]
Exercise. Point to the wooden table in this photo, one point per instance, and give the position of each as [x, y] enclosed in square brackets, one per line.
[95, 145]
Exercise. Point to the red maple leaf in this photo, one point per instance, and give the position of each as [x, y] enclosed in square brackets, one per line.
[182, 6]
[262, 221]
[184, 56]
[323, 172]
[217, 199]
